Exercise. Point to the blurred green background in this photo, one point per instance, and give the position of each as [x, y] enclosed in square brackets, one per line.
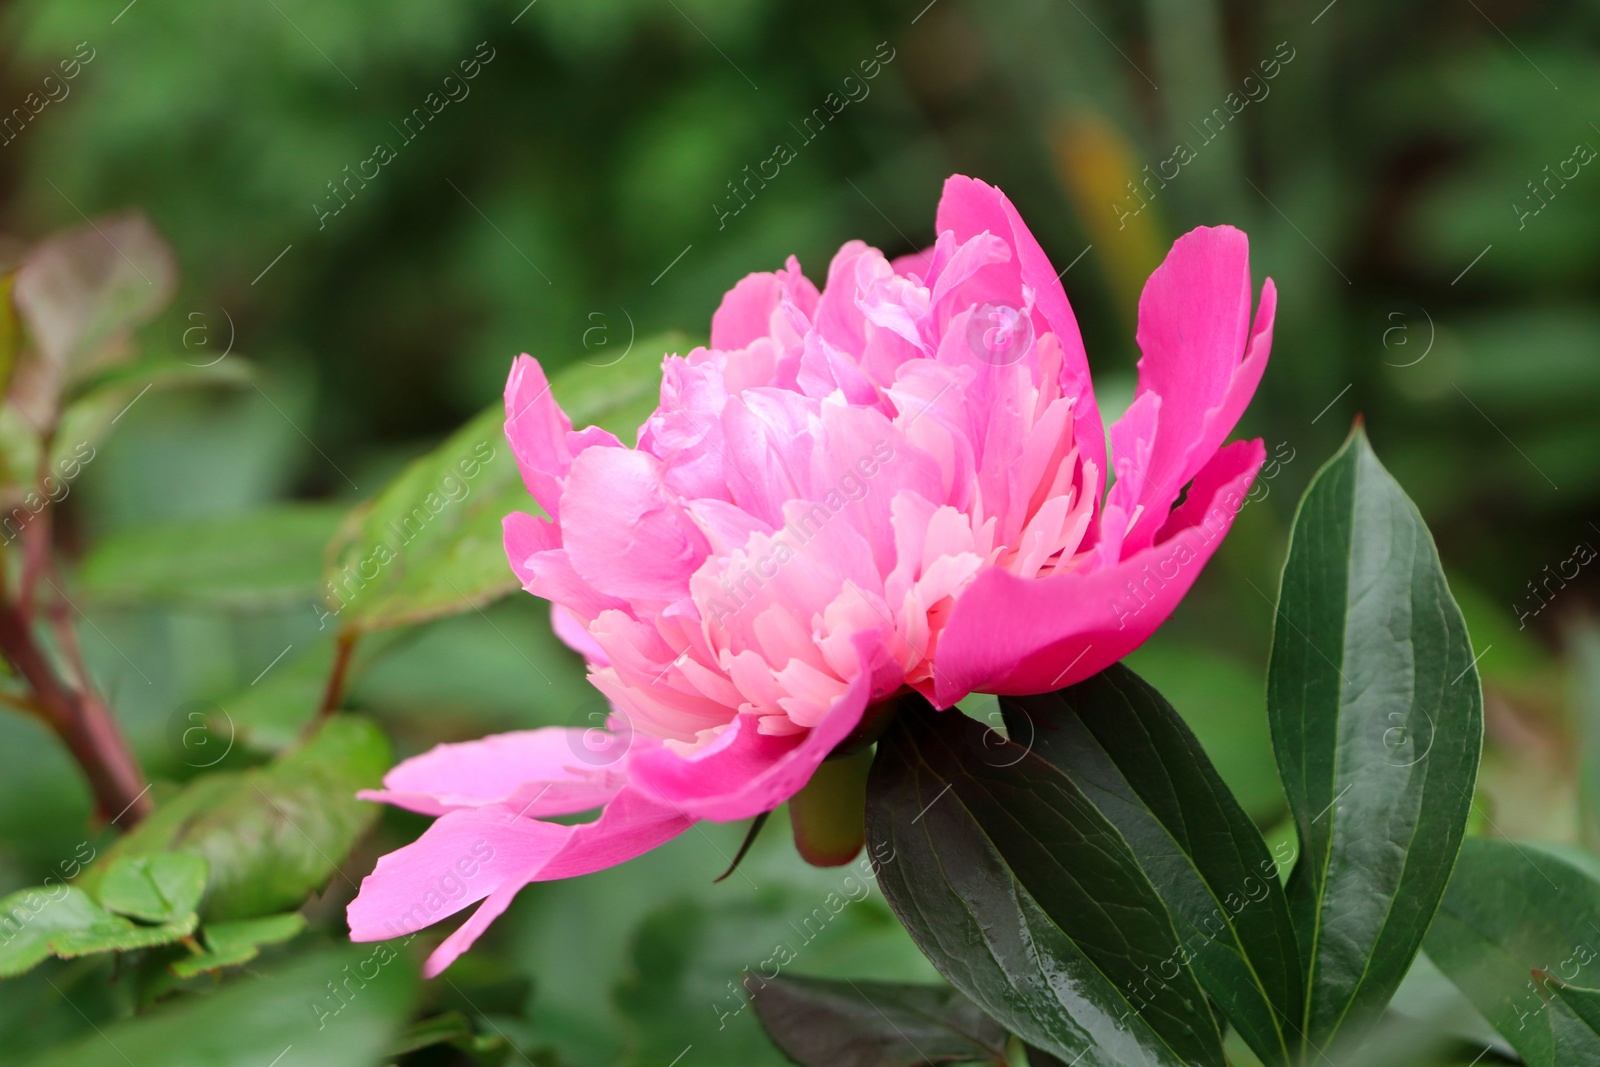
[1393, 173]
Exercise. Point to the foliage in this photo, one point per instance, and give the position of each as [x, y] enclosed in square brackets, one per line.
[188, 534]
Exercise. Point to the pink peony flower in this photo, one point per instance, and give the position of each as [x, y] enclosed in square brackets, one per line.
[896, 482]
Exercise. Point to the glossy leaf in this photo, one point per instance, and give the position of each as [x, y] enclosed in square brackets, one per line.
[1027, 899]
[429, 544]
[1139, 764]
[288, 1018]
[1377, 722]
[1513, 910]
[160, 888]
[820, 1023]
[272, 835]
[1574, 1024]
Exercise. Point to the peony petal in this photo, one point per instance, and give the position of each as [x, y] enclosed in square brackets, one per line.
[537, 429]
[1015, 635]
[460, 859]
[624, 533]
[575, 635]
[745, 314]
[548, 771]
[969, 207]
[1194, 331]
[630, 826]
[747, 772]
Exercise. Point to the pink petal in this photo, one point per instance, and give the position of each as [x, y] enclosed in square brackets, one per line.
[1200, 356]
[575, 635]
[1016, 635]
[624, 534]
[548, 771]
[630, 826]
[969, 207]
[462, 858]
[746, 772]
[838, 319]
[533, 546]
[537, 429]
[745, 314]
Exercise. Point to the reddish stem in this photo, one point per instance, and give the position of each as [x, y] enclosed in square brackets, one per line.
[84, 724]
[333, 694]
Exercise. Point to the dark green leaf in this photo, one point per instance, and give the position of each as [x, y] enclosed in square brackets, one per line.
[1574, 1023]
[1512, 910]
[1377, 721]
[229, 944]
[820, 1023]
[288, 1018]
[273, 835]
[1140, 765]
[1225, 704]
[263, 559]
[161, 888]
[1027, 899]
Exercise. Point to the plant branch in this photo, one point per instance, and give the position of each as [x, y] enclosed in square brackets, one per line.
[333, 695]
[84, 724]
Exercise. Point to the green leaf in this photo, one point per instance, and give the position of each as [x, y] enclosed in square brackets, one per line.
[1225, 704]
[229, 944]
[1377, 722]
[1513, 910]
[263, 559]
[1139, 764]
[429, 544]
[1027, 899]
[694, 962]
[820, 1023]
[65, 921]
[288, 1018]
[271, 714]
[160, 888]
[448, 1028]
[1574, 1023]
[272, 835]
